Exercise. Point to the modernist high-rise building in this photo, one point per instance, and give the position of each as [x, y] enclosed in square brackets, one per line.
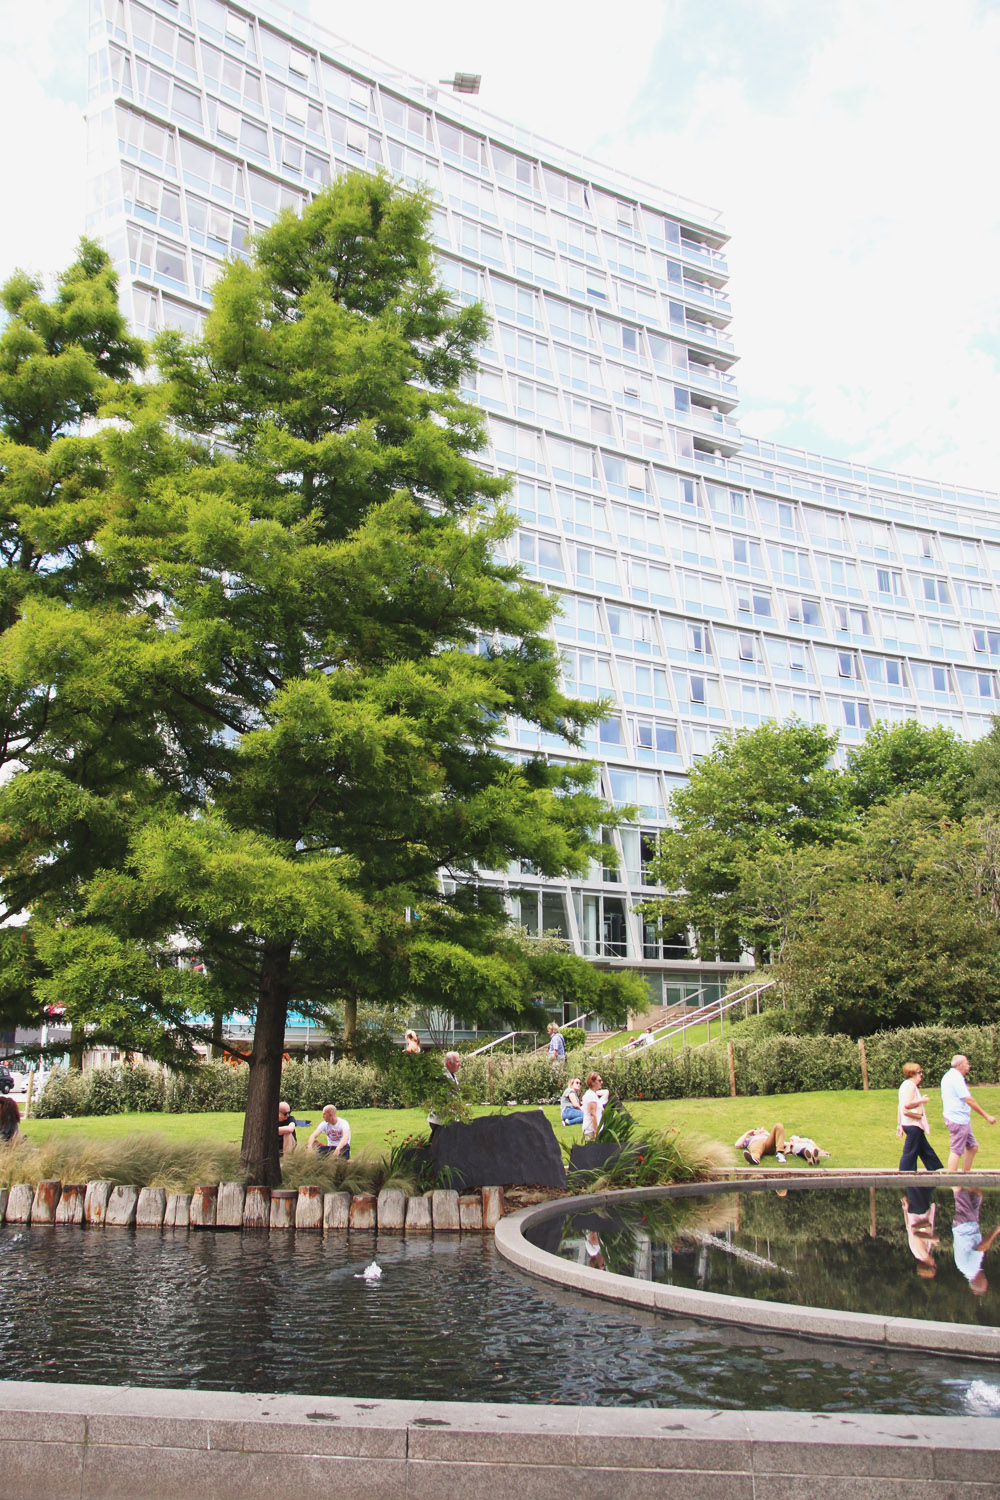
[705, 580]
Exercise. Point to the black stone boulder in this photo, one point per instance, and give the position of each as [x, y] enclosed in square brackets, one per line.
[516, 1150]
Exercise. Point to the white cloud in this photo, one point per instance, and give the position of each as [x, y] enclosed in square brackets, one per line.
[44, 163]
[866, 224]
[849, 145]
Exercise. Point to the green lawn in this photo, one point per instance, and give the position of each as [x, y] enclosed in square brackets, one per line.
[857, 1128]
[692, 1036]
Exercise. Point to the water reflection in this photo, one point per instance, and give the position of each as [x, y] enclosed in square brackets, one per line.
[450, 1320]
[848, 1249]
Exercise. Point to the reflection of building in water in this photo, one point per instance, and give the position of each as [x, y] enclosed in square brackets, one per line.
[642, 1239]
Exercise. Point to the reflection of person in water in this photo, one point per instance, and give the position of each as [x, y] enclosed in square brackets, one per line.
[919, 1213]
[595, 1255]
[967, 1238]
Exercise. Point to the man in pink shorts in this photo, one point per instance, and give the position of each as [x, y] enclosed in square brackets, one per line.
[957, 1105]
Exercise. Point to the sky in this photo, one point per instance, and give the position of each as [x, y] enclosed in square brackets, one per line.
[849, 145]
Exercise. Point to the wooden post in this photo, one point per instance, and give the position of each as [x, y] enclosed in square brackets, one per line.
[864, 1062]
[732, 1069]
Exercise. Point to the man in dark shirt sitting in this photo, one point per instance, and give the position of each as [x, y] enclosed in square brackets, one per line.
[286, 1129]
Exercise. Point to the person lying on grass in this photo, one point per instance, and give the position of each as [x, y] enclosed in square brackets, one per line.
[806, 1147]
[762, 1141]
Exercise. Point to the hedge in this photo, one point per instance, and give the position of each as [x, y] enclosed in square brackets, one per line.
[766, 1064]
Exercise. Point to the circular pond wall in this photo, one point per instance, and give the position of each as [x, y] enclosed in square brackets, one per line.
[514, 1236]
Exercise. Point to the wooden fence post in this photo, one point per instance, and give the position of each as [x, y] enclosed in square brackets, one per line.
[732, 1069]
[864, 1062]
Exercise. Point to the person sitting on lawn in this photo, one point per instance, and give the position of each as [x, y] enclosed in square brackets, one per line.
[806, 1147]
[761, 1141]
[570, 1108]
[332, 1135]
[594, 1102]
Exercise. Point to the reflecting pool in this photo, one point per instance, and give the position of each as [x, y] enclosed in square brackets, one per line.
[450, 1320]
[919, 1252]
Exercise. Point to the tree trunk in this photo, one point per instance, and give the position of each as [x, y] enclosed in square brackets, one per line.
[259, 1152]
[350, 1021]
[77, 1037]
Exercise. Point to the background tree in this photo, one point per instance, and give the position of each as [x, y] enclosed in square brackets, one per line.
[984, 788]
[759, 790]
[897, 758]
[900, 928]
[327, 641]
[61, 358]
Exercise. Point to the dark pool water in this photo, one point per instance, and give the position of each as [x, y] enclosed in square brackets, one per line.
[450, 1321]
[864, 1250]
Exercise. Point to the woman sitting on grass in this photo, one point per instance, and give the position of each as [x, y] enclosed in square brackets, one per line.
[594, 1101]
[570, 1108]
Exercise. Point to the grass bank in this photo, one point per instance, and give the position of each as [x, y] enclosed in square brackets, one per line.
[857, 1128]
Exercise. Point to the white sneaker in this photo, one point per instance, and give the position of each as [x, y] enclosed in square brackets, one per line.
[780, 1155]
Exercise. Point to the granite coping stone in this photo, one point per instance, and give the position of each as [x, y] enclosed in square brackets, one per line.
[768, 1442]
[810, 1322]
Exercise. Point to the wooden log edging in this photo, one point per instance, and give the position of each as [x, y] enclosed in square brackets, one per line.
[231, 1206]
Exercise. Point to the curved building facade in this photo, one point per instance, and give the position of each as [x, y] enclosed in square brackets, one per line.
[706, 580]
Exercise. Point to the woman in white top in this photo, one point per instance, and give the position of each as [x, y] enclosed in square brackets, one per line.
[911, 1123]
[594, 1101]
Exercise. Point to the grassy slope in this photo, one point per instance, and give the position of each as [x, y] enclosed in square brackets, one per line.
[858, 1129]
[692, 1036]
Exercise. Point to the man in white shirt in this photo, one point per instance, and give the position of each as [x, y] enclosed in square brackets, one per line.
[957, 1104]
[332, 1135]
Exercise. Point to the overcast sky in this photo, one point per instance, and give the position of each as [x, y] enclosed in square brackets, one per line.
[851, 145]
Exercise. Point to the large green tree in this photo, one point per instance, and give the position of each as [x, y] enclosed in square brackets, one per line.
[760, 790]
[302, 703]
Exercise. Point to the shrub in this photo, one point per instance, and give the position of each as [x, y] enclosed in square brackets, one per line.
[213, 1086]
[795, 1064]
[103, 1091]
[573, 1037]
[933, 1047]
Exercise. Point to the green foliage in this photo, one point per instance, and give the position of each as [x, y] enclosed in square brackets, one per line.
[796, 1064]
[984, 788]
[102, 1091]
[760, 791]
[651, 1159]
[933, 1047]
[899, 927]
[894, 759]
[773, 1022]
[341, 622]
[573, 1037]
[60, 359]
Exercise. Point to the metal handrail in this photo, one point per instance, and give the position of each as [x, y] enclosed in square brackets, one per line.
[705, 1014]
[509, 1037]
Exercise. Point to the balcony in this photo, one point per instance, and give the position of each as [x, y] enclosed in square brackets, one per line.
[702, 255]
